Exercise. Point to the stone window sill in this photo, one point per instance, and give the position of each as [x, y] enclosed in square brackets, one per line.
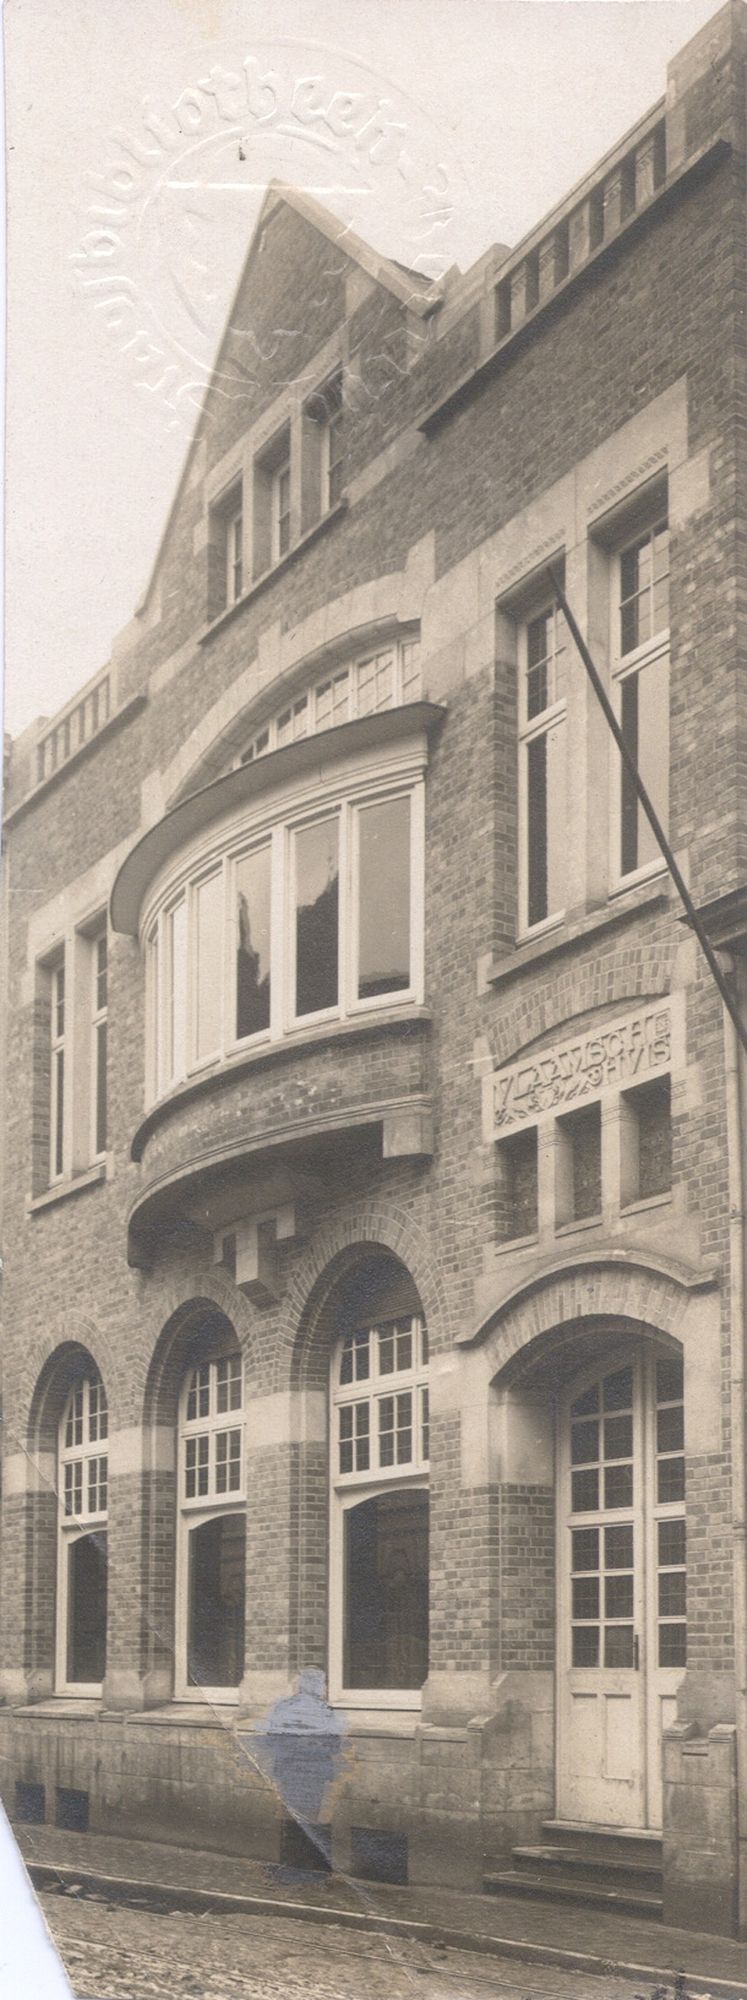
[647, 897]
[63, 1190]
[646, 1202]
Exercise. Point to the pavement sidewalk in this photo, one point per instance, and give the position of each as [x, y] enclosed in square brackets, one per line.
[580, 1939]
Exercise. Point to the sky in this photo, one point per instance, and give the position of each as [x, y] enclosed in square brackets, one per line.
[141, 135]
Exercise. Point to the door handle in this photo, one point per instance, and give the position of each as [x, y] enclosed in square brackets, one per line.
[636, 1652]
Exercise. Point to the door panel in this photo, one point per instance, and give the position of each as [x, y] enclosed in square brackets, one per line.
[621, 1581]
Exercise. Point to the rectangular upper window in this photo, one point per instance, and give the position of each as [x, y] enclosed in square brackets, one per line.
[71, 1057]
[273, 526]
[542, 766]
[57, 1071]
[99, 1031]
[578, 1165]
[641, 687]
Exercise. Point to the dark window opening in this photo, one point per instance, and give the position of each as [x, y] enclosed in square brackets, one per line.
[384, 898]
[385, 1641]
[215, 1640]
[650, 1133]
[579, 1165]
[518, 1157]
[87, 1594]
[71, 1809]
[378, 1856]
[253, 874]
[317, 917]
[537, 896]
[306, 1846]
[30, 1802]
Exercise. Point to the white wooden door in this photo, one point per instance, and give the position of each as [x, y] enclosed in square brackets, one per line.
[621, 1569]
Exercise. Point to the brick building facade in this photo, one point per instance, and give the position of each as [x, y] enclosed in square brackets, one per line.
[373, 1252]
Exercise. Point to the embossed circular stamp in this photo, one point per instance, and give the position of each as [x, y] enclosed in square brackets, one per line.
[169, 211]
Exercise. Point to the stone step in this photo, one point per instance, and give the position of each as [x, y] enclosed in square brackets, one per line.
[626, 1843]
[571, 1889]
[575, 1860]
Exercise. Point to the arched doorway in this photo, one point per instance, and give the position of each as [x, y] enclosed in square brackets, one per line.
[621, 1580]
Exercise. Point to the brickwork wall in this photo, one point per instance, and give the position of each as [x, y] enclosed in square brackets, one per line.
[526, 1600]
[662, 306]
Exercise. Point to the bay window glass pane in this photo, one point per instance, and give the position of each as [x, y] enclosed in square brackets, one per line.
[86, 1621]
[384, 898]
[253, 873]
[645, 727]
[546, 823]
[215, 1616]
[208, 945]
[176, 1021]
[317, 916]
[385, 1611]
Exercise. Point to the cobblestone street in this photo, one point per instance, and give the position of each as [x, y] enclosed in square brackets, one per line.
[124, 1953]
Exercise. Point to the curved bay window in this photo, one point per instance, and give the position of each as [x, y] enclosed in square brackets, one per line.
[379, 1435]
[304, 918]
[82, 1572]
[211, 1556]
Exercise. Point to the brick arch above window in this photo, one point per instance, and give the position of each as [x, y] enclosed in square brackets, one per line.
[213, 1303]
[51, 1365]
[372, 610]
[654, 1297]
[565, 995]
[333, 1256]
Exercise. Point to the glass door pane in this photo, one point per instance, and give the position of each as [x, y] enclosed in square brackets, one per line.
[215, 1639]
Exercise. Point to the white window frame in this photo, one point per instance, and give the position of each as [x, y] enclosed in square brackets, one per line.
[99, 1028]
[405, 689]
[653, 653]
[350, 1488]
[73, 1528]
[235, 552]
[333, 464]
[279, 830]
[280, 514]
[193, 1512]
[531, 728]
[59, 1043]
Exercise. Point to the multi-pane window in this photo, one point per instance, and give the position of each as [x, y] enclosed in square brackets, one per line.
[542, 750]
[380, 1443]
[212, 1542]
[642, 675]
[310, 919]
[386, 679]
[99, 1000]
[57, 1071]
[83, 1488]
[602, 1482]
[381, 1399]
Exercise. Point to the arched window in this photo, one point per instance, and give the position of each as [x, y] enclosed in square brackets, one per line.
[82, 1568]
[211, 1554]
[379, 1442]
